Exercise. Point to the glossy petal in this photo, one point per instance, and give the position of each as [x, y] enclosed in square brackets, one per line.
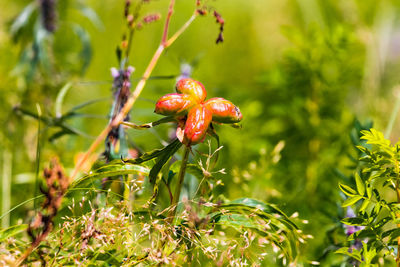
[174, 104]
[223, 111]
[192, 87]
[196, 126]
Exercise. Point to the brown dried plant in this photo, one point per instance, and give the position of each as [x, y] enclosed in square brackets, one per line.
[56, 186]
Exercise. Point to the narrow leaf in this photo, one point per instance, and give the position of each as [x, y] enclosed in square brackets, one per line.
[347, 190]
[23, 18]
[60, 98]
[149, 125]
[355, 221]
[163, 157]
[111, 170]
[360, 184]
[364, 205]
[350, 201]
[12, 231]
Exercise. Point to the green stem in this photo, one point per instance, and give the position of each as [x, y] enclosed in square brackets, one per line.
[6, 188]
[178, 187]
[37, 167]
[397, 214]
[393, 117]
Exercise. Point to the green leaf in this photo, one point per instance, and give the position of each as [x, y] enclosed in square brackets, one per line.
[151, 124]
[364, 233]
[162, 158]
[374, 137]
[23, 18]
[246, 213]
[346, 251]
[85, 104]
[12, 231]
[111, 170]
[351, 200]
[86, 51]
[394, 234]
[211, 131]
[153, 154]
[364, 205]
[91, 15]
[60, 98]
[355, 221]
[249, 204]
[369, 191]
[347, 190]
[360, 184]
[193, 169]
[368, 254]
[382, 222]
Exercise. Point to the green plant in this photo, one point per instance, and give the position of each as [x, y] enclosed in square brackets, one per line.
[376, 198]
[140, 220]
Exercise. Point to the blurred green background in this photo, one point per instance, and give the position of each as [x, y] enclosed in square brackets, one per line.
[304, 73]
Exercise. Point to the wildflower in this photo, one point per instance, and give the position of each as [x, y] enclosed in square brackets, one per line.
[186, 71]
[350, 229]
[193, 114]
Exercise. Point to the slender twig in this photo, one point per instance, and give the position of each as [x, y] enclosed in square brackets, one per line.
[6, 188]
[132, 32]
[178, 188]
[37, 167]
[181, 30]
[393, 116]
[133, 97]
[169, 15]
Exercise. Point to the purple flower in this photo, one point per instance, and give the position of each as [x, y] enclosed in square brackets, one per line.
[114, 73]
[186, 71]
[351, 229]
[130, 70]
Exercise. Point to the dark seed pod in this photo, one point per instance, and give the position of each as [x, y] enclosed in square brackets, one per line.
[48, 14]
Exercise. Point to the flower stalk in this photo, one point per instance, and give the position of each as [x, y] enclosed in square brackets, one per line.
[178, 188]
[398, 214]
[139, 88]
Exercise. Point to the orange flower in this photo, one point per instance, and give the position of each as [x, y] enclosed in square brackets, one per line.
[194, 116]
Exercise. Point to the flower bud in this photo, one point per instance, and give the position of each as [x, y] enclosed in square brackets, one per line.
[223, 111]
[198, 120]
[192, 87]
[174, 104]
